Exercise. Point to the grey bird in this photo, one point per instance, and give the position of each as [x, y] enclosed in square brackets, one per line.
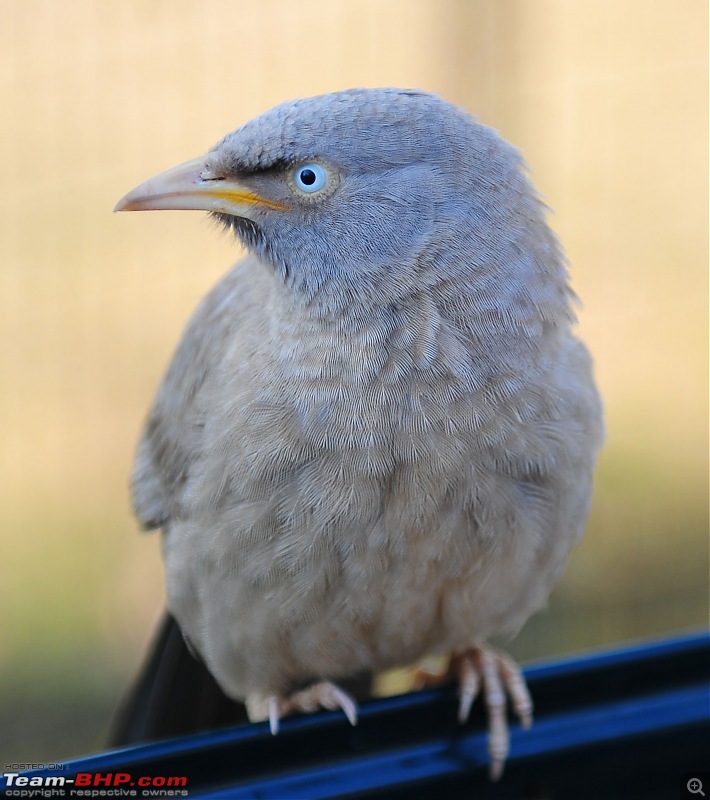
[376, 439]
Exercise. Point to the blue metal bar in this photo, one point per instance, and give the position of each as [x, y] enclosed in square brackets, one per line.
[443, 758]
[618, 724]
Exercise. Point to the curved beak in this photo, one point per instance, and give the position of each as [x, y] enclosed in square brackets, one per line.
[194, 186]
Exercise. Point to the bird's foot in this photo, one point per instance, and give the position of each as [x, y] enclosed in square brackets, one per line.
[495, 673]
[320, 695]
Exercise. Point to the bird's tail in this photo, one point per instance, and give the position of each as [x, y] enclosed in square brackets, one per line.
[174, 695]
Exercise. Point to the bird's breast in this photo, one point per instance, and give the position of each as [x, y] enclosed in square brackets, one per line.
[335, 427]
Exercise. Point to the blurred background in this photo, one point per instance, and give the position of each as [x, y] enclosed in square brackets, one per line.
[607, 100]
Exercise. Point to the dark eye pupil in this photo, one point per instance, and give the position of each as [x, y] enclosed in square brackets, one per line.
[308, 177]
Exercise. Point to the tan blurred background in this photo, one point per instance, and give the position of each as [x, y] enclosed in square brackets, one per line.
[607, 99]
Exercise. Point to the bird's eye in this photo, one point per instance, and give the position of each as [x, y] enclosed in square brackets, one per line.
[310, 177]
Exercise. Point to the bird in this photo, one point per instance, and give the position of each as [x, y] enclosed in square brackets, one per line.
[377, 437]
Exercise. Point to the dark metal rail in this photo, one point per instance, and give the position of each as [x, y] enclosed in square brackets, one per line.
[629, 723]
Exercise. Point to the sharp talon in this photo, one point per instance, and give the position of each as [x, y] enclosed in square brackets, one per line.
[274, 714]
[465, 704]
[495, 770]
[525, 716]
[320, 695]
[347, 704]
[333, 697]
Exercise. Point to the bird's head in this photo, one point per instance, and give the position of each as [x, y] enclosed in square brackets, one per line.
[358, 196]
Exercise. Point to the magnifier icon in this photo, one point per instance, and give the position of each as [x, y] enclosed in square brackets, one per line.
[695, 786]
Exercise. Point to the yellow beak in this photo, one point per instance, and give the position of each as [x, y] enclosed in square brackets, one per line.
[193, 186]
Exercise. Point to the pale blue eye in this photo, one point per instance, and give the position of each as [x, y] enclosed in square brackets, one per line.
[310, 177]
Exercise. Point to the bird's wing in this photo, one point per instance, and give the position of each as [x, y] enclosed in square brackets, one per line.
[175, 694]
[172, 437]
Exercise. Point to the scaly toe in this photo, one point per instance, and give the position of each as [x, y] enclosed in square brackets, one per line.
[482, 667]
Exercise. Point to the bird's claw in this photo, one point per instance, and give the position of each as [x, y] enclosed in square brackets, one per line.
[483, 668]
[320, 695]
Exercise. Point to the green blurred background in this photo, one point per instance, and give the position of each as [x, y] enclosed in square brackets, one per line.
[608, 101]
